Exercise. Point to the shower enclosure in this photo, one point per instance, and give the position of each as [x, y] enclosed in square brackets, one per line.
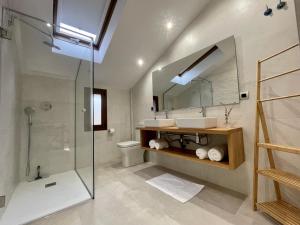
[55, 78]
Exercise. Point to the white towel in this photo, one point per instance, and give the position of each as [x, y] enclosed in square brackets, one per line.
[217, 153]
[158, 144]
[202, 152]
[152, 143]
[161, 144]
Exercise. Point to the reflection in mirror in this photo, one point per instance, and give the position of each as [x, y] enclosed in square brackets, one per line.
[206, 78]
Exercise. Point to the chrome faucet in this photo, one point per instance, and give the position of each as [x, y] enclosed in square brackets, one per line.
[167, 114]
[203, 111]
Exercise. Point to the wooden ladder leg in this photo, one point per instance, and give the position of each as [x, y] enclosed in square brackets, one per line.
[255, 160]
[269, 151]
[256, 137]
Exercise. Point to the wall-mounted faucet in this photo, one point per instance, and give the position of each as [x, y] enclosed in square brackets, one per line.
[167, 114]
[203, 111]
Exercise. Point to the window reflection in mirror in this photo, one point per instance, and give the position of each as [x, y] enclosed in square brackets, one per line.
[208, 77]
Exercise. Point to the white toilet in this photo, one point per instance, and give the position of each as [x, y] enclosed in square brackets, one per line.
[132, 153]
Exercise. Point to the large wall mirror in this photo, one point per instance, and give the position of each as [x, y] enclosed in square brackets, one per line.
[208, 77]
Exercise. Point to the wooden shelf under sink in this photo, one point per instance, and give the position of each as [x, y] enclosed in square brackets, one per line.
[234, 137]
[175, 152]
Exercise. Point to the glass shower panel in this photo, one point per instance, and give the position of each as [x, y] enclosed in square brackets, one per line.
[84, 134]
[57, 79]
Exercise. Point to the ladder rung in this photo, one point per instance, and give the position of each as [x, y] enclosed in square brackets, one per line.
[281, 148]
[282, 177]
[279, 75]
[282, 211]
[272, 56]
[278, 98]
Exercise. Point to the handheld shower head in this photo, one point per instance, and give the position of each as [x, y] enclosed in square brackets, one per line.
[29, 111]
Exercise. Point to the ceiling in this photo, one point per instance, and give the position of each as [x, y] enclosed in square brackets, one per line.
[141, 33]
[41, 9]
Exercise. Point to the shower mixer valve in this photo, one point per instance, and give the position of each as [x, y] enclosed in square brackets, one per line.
[38, 169]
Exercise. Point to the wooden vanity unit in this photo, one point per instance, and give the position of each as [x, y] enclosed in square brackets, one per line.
[234, 137]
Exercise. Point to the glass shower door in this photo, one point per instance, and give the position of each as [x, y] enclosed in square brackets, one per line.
[84, 132]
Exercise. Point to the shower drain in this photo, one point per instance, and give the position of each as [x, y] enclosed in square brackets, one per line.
[50, 184]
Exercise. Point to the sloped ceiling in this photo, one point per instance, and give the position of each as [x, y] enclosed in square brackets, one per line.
[141, 33]
[41, 9]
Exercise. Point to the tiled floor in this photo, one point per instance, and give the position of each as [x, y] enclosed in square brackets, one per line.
[124, 198]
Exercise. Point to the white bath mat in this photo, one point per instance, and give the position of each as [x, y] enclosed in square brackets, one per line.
[178, 188]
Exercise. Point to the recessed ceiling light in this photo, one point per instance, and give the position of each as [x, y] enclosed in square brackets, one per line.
[48, 25]
[169, 25]
[140, 62]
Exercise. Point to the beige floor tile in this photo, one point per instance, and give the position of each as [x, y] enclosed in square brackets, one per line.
[124, 198]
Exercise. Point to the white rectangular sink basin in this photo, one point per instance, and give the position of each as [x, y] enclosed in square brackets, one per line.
[203, 122]
[159, 123]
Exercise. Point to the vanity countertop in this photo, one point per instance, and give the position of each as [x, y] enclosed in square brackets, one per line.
[217, 130]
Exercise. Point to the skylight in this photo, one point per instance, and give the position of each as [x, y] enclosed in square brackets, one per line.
[75, 32]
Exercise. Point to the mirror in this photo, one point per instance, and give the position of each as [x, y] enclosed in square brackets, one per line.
[208, 77]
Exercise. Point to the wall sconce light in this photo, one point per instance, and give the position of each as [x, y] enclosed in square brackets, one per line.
[268, 11]
[281, 4]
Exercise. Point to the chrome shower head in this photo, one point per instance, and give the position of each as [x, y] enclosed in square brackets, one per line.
[51, 45]
[29, 110]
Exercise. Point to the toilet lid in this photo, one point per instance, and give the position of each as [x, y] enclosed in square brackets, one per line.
[127, 144]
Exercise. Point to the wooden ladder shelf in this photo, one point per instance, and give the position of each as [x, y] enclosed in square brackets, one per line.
[280, 210]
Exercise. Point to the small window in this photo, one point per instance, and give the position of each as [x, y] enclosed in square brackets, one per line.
[75, 32]
[100, 109]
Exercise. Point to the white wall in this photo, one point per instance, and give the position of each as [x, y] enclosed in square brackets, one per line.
[9, 117]
[256, 36]
[118, 117]
[52, 132]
